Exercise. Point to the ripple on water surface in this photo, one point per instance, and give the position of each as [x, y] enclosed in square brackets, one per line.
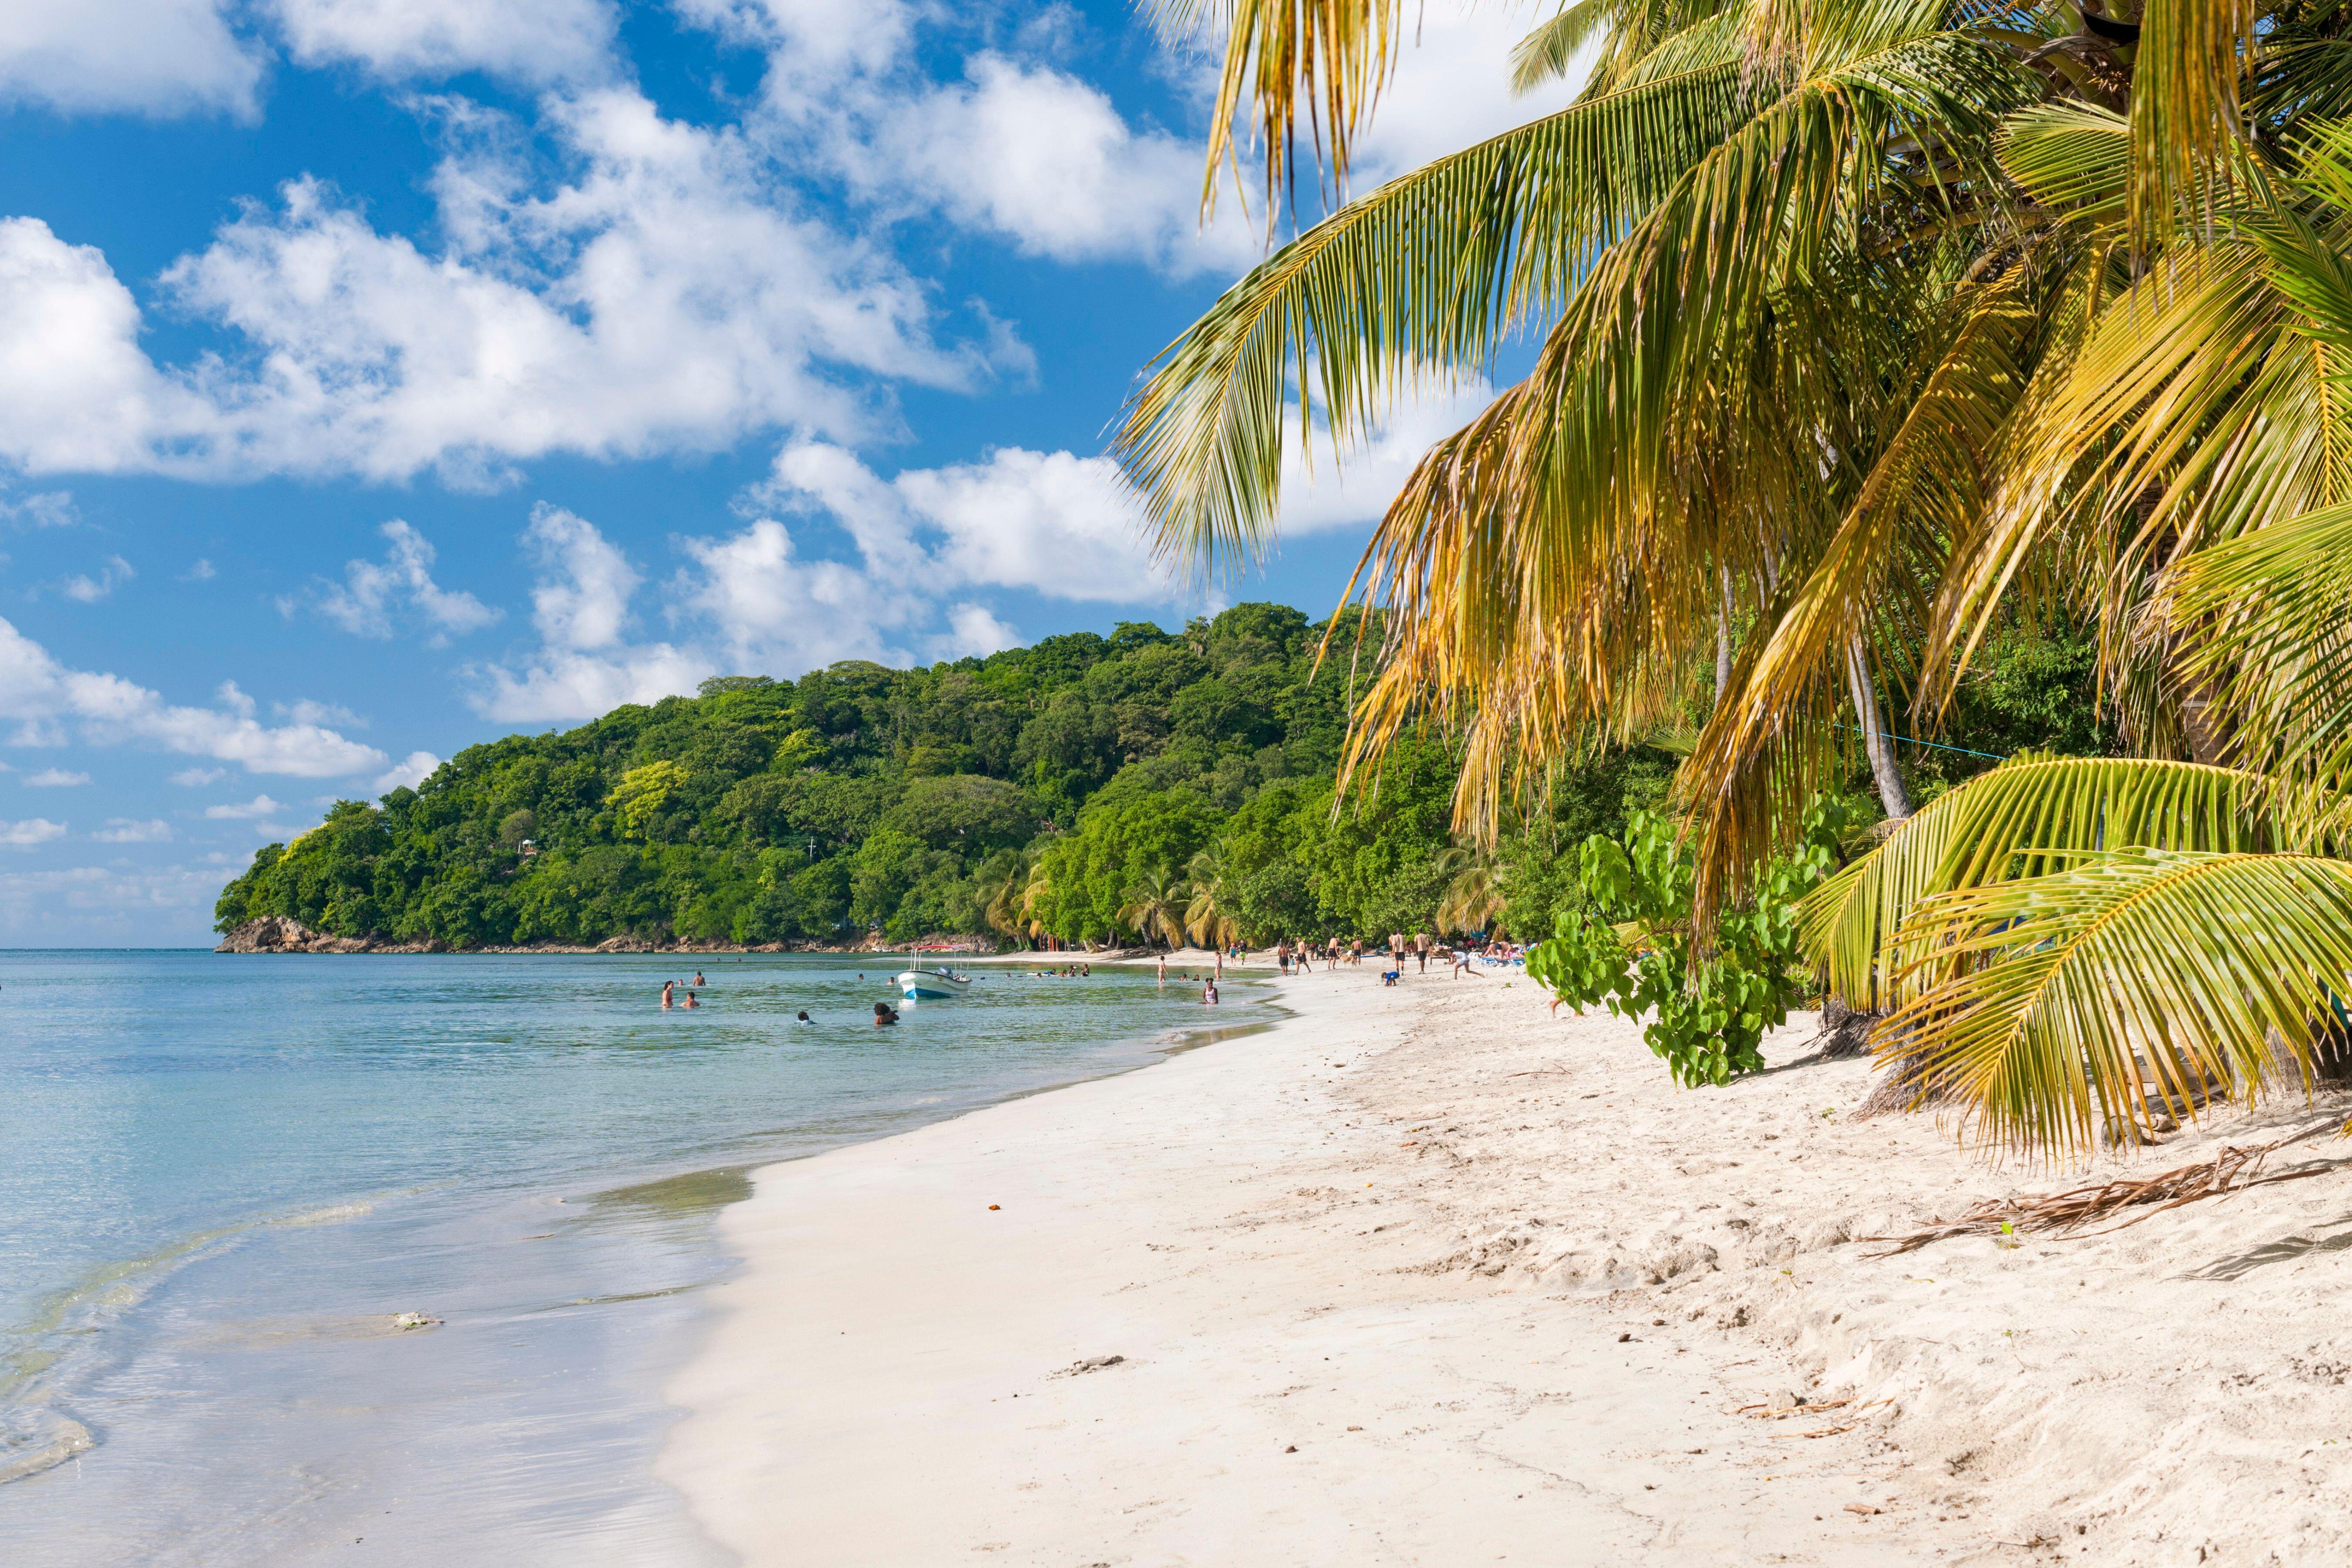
[386, 1256]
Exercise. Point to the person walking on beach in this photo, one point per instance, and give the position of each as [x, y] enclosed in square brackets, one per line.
[1396, 951]
[1420, 949]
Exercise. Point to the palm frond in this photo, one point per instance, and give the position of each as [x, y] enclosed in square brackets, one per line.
[1421, 279]
[2268, 617]
[2130, 985]
[2030, 817]
[1324, 60]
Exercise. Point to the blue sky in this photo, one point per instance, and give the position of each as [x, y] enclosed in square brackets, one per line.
[380, 376]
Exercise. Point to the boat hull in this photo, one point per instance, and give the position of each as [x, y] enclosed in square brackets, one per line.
[931, 985]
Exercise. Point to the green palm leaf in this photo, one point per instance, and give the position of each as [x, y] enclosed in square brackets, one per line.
[1425, 274]
[2128, 986]
[2030, 817]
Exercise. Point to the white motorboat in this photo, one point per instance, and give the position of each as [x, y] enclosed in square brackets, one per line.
[933, 984]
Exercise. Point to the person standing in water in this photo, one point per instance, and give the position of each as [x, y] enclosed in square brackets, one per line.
[1163, 970]
[690, 1001]
[698, 979]
[669, 986]
[883, 1016]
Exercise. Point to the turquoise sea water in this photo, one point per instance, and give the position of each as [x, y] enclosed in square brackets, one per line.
[222, 1177]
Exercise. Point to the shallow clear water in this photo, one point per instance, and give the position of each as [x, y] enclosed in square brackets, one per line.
[222, 1177]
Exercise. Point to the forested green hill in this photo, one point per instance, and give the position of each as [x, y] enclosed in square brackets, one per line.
[1085, 787]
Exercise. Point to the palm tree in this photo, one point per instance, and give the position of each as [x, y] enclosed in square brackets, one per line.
[1474, 896]
[1156, 906]
[1866, 323]
[1205, 918]
[1001, 896]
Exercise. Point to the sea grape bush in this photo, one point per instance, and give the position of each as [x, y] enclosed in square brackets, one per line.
[1627, 945]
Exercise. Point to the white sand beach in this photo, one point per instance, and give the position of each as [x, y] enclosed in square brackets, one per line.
[1424, 1276]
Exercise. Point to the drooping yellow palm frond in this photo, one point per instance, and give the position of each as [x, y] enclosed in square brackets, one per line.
[1327, 60]
[2268, 620]
[2187, 120]
[1421, 279]
[2130, 985]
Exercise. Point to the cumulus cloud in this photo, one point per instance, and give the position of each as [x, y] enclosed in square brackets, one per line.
[109, 903]
[49, 508]
[407, 774]
[364, 602]
[44, 697]
[84, 589]
[31, 831]
[252, 810]
[581, 609]
[670, 295]
[55, 778]
[156, 57]
[530, 41]
[1046, 160]
[129, 830]
[1016, 148]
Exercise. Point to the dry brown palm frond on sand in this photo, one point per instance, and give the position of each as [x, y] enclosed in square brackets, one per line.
[2233, 1170]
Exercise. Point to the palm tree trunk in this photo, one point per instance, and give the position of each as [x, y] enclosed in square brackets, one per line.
[1875, 741]
[1723, 640]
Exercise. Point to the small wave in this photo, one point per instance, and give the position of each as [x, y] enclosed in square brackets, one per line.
[33, 1439]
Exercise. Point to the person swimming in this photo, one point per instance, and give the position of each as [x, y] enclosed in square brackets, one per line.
[669, 986]
[883, 1015]
[805, 1018]
[690, 1001]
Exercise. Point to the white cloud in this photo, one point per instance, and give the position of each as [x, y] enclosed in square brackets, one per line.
[1453, 88]
[44, 696]
[111, 903]
[196, 778]
[670, 296]
[530, 41]
[406, 774]
[364, 603]
[49, 508]
[564, 685]
[86, 590]
[128, 830]
[144, 56]
[252, 810]
[1052, 521]
[1324, 490]
[31, 831]
[55, 778]
[1017, 148]
[581, 609]
[972, 629]
[77, 392]
[202, 571]
[1046, 160]
[583, 598]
